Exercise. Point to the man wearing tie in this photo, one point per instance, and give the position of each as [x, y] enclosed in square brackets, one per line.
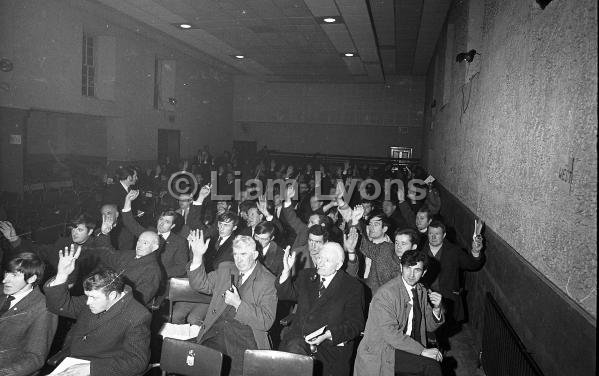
[330, 302]
[26, 325]
[243, 304]
[399, 317]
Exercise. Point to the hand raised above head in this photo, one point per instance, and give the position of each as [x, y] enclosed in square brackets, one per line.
[288, 259]
[7, 229]
[132, 195]
[357, 213]
[197, 243]
[67, 258]
[350, 240]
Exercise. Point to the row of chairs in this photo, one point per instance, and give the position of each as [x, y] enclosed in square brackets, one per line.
[191, 359]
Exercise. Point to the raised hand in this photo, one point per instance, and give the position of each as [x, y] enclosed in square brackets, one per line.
[8, 231]
[435, 298]
[197, 244]
[357, 214]
[288, 260]
[66, 260]
[290, 193]
[401, 194]
[262, 205]
[477, 244]
[204, 192]
[350, 240]
[107, 223]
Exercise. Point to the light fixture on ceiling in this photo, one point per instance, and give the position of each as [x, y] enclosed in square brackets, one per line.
[239, 57]
[184, 26]
[349, 54]
[329, 20]
[466, 56]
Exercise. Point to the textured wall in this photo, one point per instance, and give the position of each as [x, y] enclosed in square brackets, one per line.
[303, 117]
[43, 39]
[499, 140]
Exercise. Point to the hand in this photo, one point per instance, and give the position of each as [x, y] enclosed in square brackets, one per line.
[290, 193]
[132, 195]
[401, 194]
[339, 190]
[197, 244]
[232, 297]
[433, 354]
[204, 192]
[262, 205]
[107, 224]
[357, 214]
[66, 260]
[350, 240]
[320, 339]
[77, 370]
[435, 298]
[288, 259]
[8, 231]
[477, 245]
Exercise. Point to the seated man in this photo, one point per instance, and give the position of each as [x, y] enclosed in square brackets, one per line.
[328, 300]
[26, 325]
[112, 330]
[395, 337]
[271, 255]
[243, 303]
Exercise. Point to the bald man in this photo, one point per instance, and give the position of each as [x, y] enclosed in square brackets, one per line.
[330, 302]
[140, 268]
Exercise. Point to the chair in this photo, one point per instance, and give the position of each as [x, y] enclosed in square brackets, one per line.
[189, 359]
[276, 363]
[180, 291]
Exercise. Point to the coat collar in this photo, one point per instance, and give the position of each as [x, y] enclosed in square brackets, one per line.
[24, 304]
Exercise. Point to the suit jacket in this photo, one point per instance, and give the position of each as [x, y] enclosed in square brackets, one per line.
[273, 261]
[387, 320]
[174, 252]
[258, 304]
[116, 342]
[143, 274]
[444, 275]
[27, 332]
[114, 194]
[340, 308]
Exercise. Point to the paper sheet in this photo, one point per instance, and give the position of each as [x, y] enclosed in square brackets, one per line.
[179, 331]
[66, 363]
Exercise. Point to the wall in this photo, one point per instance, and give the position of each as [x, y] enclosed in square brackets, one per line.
[313, 117]
[43, 39]
[515, 121]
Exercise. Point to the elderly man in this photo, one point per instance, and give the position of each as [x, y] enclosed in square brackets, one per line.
[244, 300]
[26, 325]
[112, 330]
[330, 303]
[399, 317]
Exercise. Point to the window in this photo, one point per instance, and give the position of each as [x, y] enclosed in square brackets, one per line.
[87, 67]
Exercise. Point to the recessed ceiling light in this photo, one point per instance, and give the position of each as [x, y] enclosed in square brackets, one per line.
[332, 19]
[185, 26]
[349, 54]
[329, 19]
[239, 57]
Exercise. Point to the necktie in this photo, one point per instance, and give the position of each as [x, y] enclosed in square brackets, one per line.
[240, 280]
[217, 244]
[416, 316]
[321, 287]
[6, 306]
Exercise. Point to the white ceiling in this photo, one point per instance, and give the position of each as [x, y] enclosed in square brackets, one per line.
[284, 40]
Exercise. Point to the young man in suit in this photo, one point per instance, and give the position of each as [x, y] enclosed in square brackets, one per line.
[394, 341]
[26, 325]
[328, 300]
[271, 255]
[112, 330]
[243, 304]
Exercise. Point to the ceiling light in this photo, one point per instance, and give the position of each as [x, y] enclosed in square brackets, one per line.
[348, 54]
[185, 26]
[329, 19]
[239, 57]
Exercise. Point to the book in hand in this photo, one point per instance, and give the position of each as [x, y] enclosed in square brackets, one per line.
[66, 363]
[179, 331]
[429, 179]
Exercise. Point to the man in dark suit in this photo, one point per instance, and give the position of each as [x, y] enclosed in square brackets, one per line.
[26, 325]
[271, 255]
[112, 330]
[243, 303]
[173, 250]
[115, 193]
[446, 261]
[331, 303]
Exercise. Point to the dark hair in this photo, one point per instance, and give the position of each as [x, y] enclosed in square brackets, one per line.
[246, 205]
[264, 227]
[437, 224]
[319, 231]
[228, 216]
[104, 279]
[413, 257]
[427, 210]
[123, 173]
[381, 216]
[169, 213]
[27, 263]
[413, 234]
[84, 219]
[322, 220]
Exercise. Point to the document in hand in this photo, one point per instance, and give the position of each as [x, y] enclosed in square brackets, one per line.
[66, 363]
[316, 333]
[179, 331]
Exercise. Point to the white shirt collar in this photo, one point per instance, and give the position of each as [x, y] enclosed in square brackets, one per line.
[19, 295]
[327, 280]
[247, 274]
[265, 250]
[165, 235]
[124, 186]
[408, 287]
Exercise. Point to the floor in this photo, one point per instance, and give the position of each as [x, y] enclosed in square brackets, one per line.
[462, 357]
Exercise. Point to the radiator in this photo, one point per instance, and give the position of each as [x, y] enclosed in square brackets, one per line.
[503, 354]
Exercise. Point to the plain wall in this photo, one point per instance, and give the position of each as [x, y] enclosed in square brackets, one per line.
[334, 118]
[514, 121]
[43, 39]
